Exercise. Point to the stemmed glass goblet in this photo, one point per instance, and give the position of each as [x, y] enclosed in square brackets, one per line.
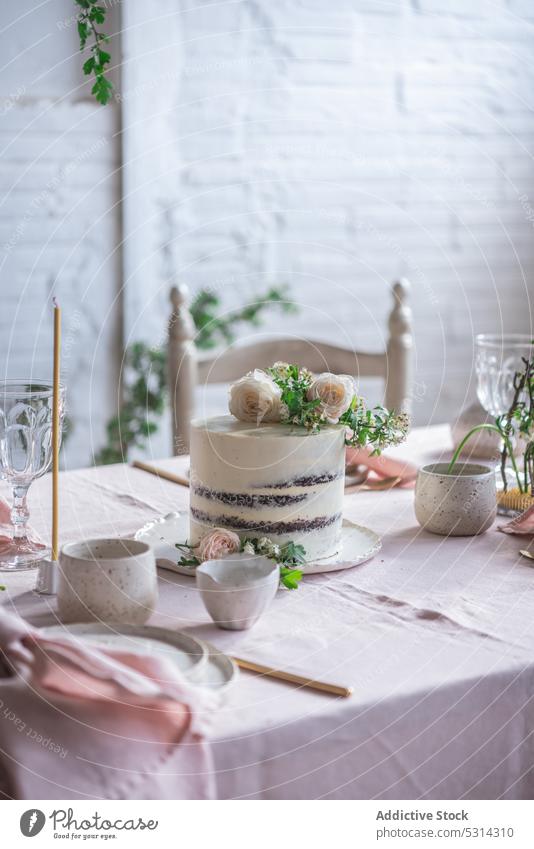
[497, 359]
[25, 454]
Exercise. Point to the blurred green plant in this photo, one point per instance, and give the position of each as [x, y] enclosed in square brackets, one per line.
[214, 329]
[145, 369]
[90, 14]
[142, 405]
[517, 421]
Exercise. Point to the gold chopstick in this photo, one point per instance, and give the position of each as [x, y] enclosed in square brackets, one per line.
[374, 486]
[160, 473]
[385, 483]
[291, 678]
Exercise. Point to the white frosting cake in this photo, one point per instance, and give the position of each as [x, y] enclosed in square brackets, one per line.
[273, 480]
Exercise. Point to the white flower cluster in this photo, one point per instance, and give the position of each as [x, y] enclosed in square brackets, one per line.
[262, 546]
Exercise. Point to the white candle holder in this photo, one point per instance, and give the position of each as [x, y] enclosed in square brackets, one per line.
[47, 577]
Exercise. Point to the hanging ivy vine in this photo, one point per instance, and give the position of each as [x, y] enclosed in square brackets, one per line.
[144, 374]
[91, 14]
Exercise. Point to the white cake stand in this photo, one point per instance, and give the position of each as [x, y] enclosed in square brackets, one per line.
[358, 544]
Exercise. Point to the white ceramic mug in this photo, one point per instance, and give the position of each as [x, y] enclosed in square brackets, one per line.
[237, 589]
[107, 580]
[463, 503]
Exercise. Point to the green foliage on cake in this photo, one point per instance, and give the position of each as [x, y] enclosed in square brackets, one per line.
[288, 393]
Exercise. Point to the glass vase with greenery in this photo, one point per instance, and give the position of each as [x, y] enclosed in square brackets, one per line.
[517, 422]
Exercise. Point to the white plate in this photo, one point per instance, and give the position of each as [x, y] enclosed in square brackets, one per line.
[220, 670]
[200, 662]
[358, 544]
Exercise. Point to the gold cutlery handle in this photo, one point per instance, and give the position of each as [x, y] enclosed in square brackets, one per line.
[292, 678]
[160, 473]
[374, 485]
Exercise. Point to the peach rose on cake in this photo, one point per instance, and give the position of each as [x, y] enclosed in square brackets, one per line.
[335, 392]
[255, 398]
[216, 544]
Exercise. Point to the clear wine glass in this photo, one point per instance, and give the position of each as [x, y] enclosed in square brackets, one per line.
[25, 454]
[497, 358]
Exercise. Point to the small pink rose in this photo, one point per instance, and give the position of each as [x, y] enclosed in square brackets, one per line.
[217, 543]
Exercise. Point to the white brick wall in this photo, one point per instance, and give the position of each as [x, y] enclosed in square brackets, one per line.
[335, 146]
[329, 146]
[58, 216]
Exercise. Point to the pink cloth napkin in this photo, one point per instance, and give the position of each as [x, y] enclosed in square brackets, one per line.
[523, 524]
[6, 527]
[382, 466]
[85, 723]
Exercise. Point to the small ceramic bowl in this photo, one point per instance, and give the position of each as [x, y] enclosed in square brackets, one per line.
[107, 580]
[236, 590]
[463, 503]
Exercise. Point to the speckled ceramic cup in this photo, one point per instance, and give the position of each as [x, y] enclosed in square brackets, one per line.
[460, 504]
[237, 589]
[107, 580]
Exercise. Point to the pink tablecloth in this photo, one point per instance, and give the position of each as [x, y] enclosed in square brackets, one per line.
[435, 635]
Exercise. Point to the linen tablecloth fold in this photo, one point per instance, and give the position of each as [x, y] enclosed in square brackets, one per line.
[83, 723]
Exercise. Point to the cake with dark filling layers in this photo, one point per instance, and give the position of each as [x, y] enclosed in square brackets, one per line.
[271, 480]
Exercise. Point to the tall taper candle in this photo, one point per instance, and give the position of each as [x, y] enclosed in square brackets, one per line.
[55, 433]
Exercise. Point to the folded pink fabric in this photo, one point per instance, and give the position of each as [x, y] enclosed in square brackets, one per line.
[382, 466]
[6, 528]
[84, 723]
[523, 524]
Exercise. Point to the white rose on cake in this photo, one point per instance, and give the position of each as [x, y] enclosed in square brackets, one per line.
[335, 392]
[255, 398]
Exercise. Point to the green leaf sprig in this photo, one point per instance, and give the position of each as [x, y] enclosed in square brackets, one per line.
[90, 15]
[214, 328]
[519, 420]
[377, 427]
[289, 557]
[187, 559]
[295, 383]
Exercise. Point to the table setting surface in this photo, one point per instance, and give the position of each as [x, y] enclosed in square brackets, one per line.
[430, 634]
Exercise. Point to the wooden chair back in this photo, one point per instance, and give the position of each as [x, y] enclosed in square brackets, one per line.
[187, 366]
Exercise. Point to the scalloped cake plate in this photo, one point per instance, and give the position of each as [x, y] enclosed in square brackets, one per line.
[358, 544]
